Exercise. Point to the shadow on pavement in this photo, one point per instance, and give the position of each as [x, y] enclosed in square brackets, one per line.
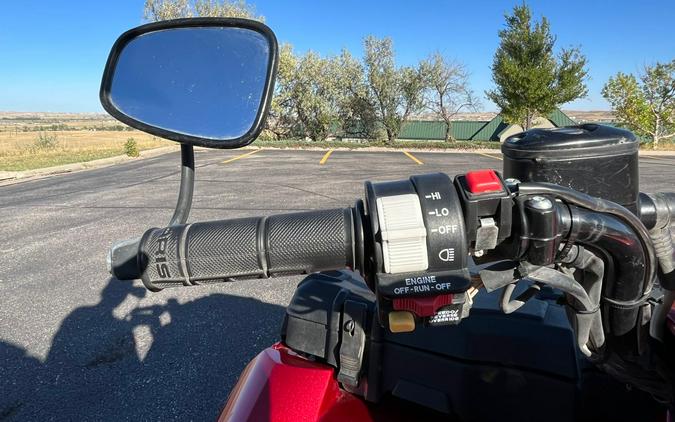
[94, 370]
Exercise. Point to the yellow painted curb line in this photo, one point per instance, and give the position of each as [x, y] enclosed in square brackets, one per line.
[490, 156]
[325, 156]
[412, 157]
[241, 156]
[656, 158]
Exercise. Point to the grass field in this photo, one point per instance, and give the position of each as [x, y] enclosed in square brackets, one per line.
[35, 140]
[25, 151]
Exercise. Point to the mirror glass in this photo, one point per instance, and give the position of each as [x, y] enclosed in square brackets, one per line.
[206, 82]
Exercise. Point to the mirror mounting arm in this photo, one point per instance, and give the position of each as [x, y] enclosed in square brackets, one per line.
[122, 259]
[187, 184]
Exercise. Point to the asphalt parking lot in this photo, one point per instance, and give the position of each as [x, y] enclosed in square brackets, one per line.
[75, 344]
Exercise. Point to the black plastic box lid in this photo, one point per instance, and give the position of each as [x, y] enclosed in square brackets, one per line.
[581, 141]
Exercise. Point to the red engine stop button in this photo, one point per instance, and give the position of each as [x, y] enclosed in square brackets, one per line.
[483, 181]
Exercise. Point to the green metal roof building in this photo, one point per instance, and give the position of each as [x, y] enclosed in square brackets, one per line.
[472, 130]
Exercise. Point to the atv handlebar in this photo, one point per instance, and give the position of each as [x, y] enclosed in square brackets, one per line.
[411, 239]
[257, 247]
[260, 247]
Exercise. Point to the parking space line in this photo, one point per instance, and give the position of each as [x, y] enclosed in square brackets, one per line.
[325, 156]
[657, 158]
[412, 157]
[241, 156]
[488, 155]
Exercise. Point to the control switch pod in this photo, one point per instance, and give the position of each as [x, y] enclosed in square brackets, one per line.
[420, 252]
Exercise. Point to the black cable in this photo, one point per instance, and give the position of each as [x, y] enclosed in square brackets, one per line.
[602, 206]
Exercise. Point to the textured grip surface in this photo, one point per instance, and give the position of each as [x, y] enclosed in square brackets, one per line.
[222, 249]
[310, 241]
[247, 248]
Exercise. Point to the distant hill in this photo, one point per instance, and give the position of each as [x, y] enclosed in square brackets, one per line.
[590, 116]
[29, 115]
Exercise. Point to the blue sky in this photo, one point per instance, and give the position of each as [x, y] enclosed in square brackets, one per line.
[52, 53]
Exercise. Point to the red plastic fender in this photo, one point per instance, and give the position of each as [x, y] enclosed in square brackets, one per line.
[280, 385]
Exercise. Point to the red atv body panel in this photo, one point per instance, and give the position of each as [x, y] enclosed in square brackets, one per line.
[279, 385]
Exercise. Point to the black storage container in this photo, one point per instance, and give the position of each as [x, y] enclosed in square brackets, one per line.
[601, 161]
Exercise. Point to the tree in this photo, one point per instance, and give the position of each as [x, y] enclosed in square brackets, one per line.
[449, 91]
[159, 10]
[315, 95]
[356, 113]
[646, 106]
[531, 81]
[281, 119]
[396, 93]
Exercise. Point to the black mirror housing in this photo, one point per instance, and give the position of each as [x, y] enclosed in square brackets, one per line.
[199, 81]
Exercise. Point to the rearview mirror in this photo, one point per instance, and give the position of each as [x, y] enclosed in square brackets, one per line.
[200, 81]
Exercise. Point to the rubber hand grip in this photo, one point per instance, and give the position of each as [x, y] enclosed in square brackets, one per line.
[257, 247]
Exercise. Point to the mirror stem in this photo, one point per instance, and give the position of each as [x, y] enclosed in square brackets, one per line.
[122, 256]
[187, 184]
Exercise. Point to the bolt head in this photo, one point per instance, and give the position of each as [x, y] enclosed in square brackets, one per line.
[540, 203]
